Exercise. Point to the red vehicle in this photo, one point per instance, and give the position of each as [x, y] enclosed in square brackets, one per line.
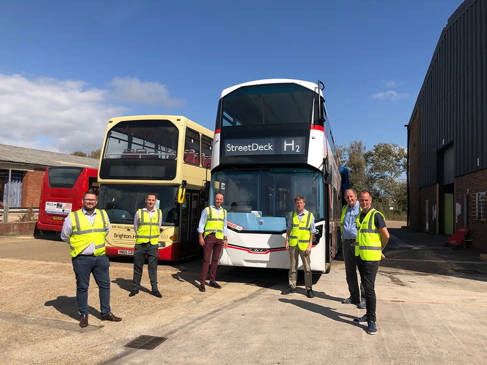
[62, 192]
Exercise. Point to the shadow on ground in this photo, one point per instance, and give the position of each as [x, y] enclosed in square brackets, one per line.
[126, 285]
[323, 310]
[69, 307]
[422, 252]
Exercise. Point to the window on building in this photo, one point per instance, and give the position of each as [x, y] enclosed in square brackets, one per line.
[478, 206]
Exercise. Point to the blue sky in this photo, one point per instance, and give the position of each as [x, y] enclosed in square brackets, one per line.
[67, 66]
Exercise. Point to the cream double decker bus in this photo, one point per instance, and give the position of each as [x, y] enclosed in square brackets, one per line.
[166, 155]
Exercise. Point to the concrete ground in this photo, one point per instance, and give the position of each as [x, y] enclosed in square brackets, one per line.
[431, 308]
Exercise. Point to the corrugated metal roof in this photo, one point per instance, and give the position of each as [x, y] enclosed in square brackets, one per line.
[29, 156]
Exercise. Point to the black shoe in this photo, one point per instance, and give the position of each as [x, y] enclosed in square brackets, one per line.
[362, 304]
[214, 284]
[371, 328]
[349, 301]
[83, 322]
[288, 290]
[133, 292]
[202, 288]
[364, 318]
[156, 293]
[110, 317]
[309, 293]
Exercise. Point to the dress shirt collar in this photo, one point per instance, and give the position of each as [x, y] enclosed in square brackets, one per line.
[87, 213]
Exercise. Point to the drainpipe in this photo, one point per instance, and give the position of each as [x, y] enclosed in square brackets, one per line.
[6, 204]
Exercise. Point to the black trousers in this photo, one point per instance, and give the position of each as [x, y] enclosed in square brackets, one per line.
[152, 252]
[348, 247]
[368, 272]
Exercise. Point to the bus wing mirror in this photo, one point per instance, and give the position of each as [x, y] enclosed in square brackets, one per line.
[181, 194]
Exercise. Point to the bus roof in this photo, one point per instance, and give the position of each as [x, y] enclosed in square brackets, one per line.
[191, 123]
[307, 84]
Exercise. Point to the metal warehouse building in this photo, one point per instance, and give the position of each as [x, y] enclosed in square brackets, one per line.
[447, 132]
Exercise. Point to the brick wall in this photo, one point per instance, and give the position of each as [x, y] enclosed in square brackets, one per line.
[465, 186]
[31, 188]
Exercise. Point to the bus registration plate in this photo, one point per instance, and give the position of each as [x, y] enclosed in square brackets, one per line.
[57, 218]
[126, 252]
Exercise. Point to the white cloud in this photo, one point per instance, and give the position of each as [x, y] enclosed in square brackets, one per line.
[132, 90]
[390, 83]
[46, 113]
[68, 115]
[390, 95]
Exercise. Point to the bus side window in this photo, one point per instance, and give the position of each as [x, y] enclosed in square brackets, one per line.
[206, 144]
[192, 147]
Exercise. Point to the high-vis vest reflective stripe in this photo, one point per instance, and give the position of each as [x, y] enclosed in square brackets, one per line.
[301, 232]
[84, 233]
[214, 222]
[342, 218]
[148, 228]
[369, 244]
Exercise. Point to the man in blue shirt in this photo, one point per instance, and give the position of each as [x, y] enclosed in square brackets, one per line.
[349, 234]
[213, 233]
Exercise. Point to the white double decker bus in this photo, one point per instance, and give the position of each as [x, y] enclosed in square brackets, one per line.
[273, 141]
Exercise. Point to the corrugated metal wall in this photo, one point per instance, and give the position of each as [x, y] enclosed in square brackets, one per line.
[452, 103]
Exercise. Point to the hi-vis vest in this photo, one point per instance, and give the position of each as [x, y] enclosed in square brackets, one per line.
[369, 244]
[342, 218]
[84, 233]
[214, 222]
[301, 232]
[148, 228]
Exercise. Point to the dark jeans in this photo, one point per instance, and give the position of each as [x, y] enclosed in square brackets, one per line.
[368, 272]
[83, 266]
[152, 252]
[348, 247]
[211, 251]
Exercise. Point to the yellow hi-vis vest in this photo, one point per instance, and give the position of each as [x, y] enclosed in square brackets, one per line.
[369, 246]
[214, 222]
[84, 233]
[342, 218]
[148, 228]
[301, 232]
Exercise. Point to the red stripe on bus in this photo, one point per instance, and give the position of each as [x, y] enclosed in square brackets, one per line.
[259, 253]
[318, 127]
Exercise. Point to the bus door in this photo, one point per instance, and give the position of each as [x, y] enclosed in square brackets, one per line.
[190, 216]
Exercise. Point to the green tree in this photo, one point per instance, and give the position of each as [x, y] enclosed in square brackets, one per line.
[353, 158]
[96, 153]
[386, 166]
[79, 153]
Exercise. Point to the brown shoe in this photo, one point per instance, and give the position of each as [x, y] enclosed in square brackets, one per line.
[83, 322]
[110, 317]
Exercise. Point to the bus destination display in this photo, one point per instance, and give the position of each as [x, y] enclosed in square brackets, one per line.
[265, 146]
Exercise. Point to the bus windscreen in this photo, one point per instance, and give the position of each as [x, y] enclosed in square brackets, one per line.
[267, 105]
[63, 177]
[141, 150]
